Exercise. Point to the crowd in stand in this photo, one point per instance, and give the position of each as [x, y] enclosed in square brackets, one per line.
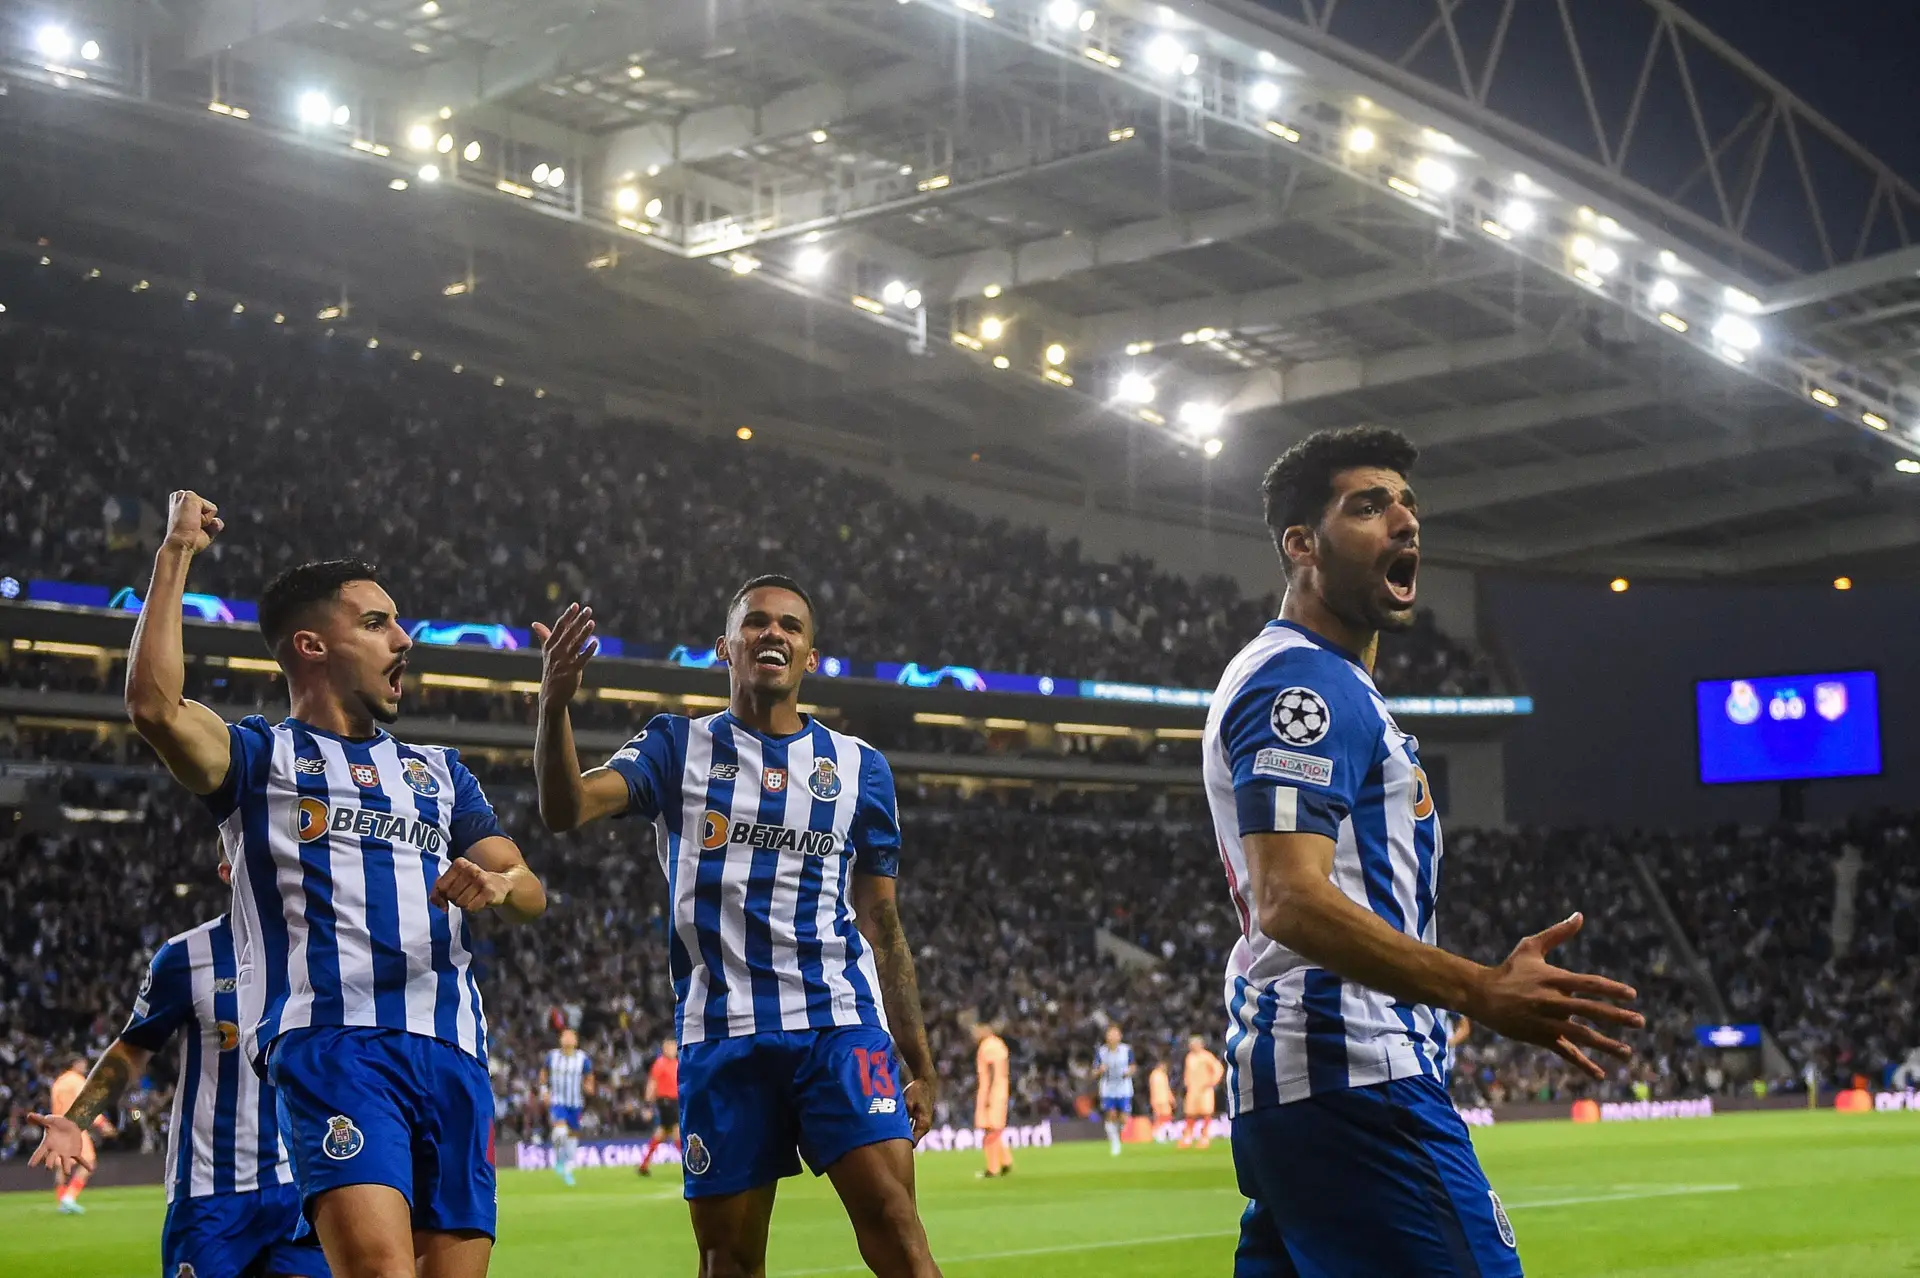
[483, 507]
[1003, 894]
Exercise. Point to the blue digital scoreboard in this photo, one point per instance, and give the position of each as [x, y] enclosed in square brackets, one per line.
[1788, 727]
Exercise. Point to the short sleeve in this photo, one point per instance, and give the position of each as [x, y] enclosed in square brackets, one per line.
[473, 817]
[249, 752]
[165, 1001]
[875, 833]
[647, 765]
[1300, 736]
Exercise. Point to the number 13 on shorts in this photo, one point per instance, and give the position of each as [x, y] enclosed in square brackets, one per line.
[876, 1071]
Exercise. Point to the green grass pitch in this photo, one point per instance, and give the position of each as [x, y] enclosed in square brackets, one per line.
[1730, 1197]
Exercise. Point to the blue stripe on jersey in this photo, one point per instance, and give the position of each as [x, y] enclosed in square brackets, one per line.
[472, 979]
[762, 872]
[708, 880]
[316, 860]
[387, 952]
[446, 999]
[188, 1089]
[256, 851]
[1425, 888]
[226, 1007]
[1326, 1037]
[1237, 1035]
[1373, 843]
[1266, 1012]
[843, 923]
[806, 923]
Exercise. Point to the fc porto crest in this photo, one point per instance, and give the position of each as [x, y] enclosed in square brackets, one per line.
[696, 1159]
[365, 775]
[419, 778]
[774, 780]
[825, 781]
[343, 1140]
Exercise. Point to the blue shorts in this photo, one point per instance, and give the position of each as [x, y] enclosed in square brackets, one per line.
[568, 1114]
[236, 1235]
[1122, 1104]
[363, 1106]
[753, 1107]
[1370, 1180]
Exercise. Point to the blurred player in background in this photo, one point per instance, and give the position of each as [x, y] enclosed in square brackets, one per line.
[566, 1081]
[1160, 1094]
[1201, 1073]
[990, 1068]
[780, 842]
[1113, 1066]
[70, 1174]
[1352, 1157]
[663, 1093]
[356, 860]
[232, 1208]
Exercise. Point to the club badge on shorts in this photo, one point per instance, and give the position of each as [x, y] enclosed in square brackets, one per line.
[343, 1139]
[696, 1158]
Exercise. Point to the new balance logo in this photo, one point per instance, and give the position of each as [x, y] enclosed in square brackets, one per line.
[884, 1105]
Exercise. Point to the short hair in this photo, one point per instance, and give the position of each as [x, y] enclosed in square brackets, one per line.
[779, 581]
[1300, 484]
[291, 596]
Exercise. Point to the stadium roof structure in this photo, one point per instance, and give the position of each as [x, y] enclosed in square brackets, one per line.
[1642, 308]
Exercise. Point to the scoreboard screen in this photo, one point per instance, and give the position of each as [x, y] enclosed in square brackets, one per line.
[1788, 727]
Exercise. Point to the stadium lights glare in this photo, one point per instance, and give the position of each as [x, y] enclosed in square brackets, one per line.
[540, 172]
[1874, 420]
[744, 263]
[1907, 466]
[819, 135]
[1201, 419]
[1669, 260]
[1618, 585]
[653, 207]
[430, 9]
[315, 108]
[324, 313]
[420, 137]
[743, 434]
[1164, 54]
[1523, 183]
[1361, 140]
[991, 328]
[445, 144]
[429, 173]
[1056, 354]
[1673, 321]
[1135, 388]
[1518, 215]
[1264, 95]
[1213, 446]
[1740, 300]
[1581, 249]
[1664, 293]
[990, 292]
[398, 184]
[636, 72]
[1605, 261]
[90, 51]
[1063, 14]
[54, 42]
[810, 263]
[1822, 396]
[1843, 583]
[1731, 330]
[471, 154]
[1002, 362]
[626, 199]
[894, 292]
[1435, 175]
[912, 300]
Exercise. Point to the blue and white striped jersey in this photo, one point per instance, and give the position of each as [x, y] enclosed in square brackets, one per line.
[224, 1137]
[1112, 1064]
[335, 846]
[567, 1078]
[1298, 739]
[758, 837]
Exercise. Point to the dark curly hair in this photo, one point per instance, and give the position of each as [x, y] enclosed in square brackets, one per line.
[290, 597]
[1299, 485]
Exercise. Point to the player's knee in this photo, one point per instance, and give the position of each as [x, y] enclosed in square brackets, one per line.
[889, 1213]
[717, 1262]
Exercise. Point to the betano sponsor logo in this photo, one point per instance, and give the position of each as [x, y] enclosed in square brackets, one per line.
[313, 819]
[717, 832]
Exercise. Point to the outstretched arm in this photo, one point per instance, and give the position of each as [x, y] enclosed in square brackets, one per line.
[190, 739]
[876, 905]
[569, 799]
[62, 1143]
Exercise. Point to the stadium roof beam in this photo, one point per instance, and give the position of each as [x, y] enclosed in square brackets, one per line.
[217, 25]
[1667, 518]
[1462, 425]
[491, 72]
[1505, 485]
[1322, 379]
[1889, 268]
[1811, 543]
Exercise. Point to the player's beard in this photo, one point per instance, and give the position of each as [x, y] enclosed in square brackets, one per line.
[379, 708]
[1355, 593]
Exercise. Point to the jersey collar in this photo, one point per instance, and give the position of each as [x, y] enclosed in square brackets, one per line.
[379, 734]
[1318, 638]
[806, 727]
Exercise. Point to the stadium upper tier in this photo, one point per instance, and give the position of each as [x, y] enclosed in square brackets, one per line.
[1003, 900]
[486, 509]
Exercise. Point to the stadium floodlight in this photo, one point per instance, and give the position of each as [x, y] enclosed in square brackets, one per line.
[1056, 354]
[636, 72]
[1525, 184]
[445, 144]
[1002, 362]
[1164, 54]
[90, 51]
[1434, 174]
[1581, 249]
[430, 9]
[1201, 419]
[54, 42]
[1618, 585]
[1518, 215]
[1907, 466]
[654, 206]
[894, 293]
[626, 199]
[1604, 261]
[1135, 388]
[1361, 140]
[398, 184]
[1873, 420]
[744, 263]
[540, 172]
[315, 107]
[819, 136]
[1669, 260]
[1213, 446]
[1741, 300]
[1064, 14]
[991, 328]
[1086, 20]
[472, 153]
[420, 137]
[1664, 293]
[810, 262]
[429, 173]
[912, 300]
[1734, 331]
[342, 114]
[1264, 95]
[990, 292]
[556, 177]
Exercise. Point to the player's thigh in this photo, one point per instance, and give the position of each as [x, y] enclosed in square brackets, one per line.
[452, 1254]
[276, 1220]
[846, 1092]
[365, 1230]
[347, 1108]
[455, 1187]
[875, 1184]
[737, 1113]
[730, 1230]
[1372, 1180]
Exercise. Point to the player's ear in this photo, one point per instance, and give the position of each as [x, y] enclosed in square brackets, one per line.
[813, 660]
[308, 645]
[720, 649]
[1300, 545]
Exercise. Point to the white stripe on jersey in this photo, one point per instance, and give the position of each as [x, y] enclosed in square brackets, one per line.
[1266, 986]
[566, 1078]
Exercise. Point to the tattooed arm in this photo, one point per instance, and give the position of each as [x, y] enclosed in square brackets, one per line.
[62, 1143]
[877, 908]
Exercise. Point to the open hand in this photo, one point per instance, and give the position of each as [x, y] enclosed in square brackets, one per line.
[566, 648]
[469, 887]
[192, 521]
[63, 1146]
[1529, 999]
